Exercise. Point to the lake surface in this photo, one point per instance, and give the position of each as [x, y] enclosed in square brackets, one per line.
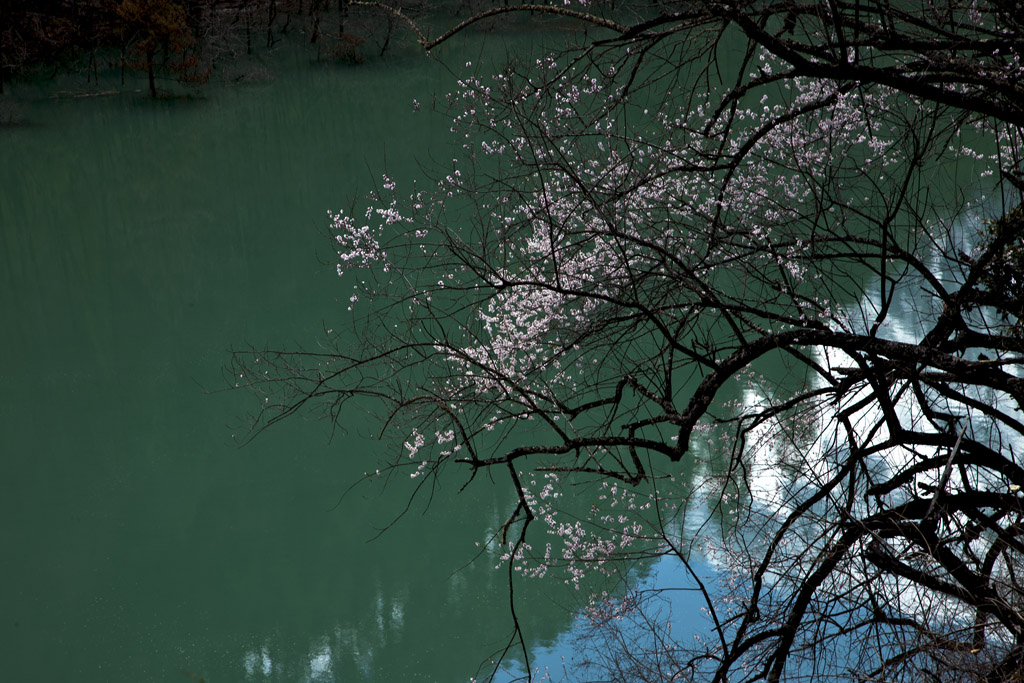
[140, 240]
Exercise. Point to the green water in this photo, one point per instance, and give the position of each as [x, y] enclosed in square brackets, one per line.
[140, 240]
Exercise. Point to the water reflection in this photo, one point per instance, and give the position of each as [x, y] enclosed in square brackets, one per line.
[321, 665]
[258, 663]
[141, 243]
[819, 436]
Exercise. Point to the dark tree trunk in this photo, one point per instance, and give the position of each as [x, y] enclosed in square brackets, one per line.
[271, 16]
[316, 8]
[2, 67]
[150, 58]
[387, 36]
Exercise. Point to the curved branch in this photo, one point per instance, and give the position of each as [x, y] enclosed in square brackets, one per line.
[430, 44]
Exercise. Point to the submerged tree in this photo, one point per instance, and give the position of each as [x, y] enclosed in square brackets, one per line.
[156, 37]
[750, 236]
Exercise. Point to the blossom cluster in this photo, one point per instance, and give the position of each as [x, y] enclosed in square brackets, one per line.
[582, 235]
